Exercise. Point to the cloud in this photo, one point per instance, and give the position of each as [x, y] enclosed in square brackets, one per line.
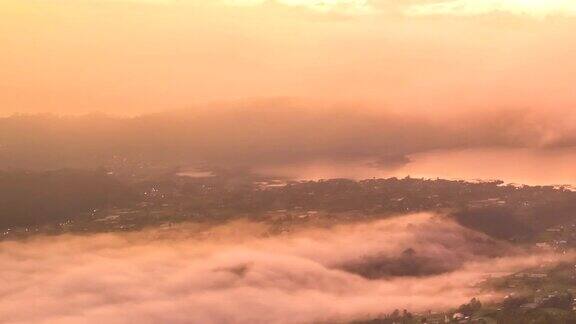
[234, 273]
[268, 133]
[535, 8]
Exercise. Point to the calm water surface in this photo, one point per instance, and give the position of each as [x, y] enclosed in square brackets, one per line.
[522, 166]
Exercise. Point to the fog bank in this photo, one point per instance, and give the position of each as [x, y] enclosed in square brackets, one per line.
[235, 273]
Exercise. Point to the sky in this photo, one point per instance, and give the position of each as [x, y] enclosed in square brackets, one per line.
[128, 57]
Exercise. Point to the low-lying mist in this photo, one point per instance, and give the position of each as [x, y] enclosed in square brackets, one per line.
[237, 272]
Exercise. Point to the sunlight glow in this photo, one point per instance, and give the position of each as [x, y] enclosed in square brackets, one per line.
[349, 6]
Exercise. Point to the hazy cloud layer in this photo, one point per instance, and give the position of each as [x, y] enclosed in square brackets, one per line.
[234, 274]
[258, 134]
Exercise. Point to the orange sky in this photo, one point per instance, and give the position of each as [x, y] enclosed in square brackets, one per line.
[129, 57]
